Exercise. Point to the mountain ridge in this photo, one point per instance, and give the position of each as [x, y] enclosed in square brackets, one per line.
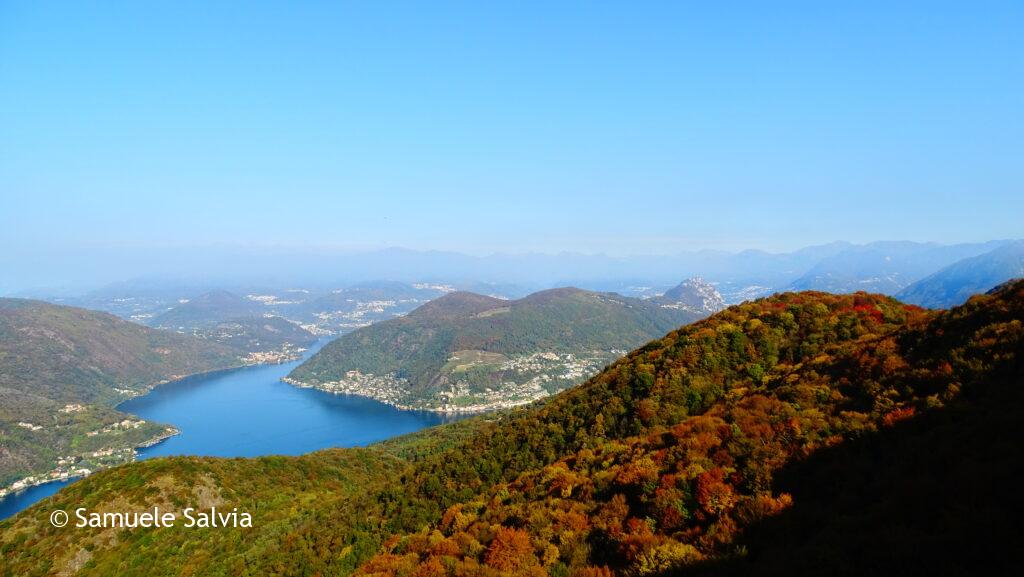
[470, 352]
[955, 283]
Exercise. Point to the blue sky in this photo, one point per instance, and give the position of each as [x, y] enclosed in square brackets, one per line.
[597, 127]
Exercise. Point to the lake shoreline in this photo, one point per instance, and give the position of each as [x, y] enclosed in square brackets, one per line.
[20, 486]
[246, 412]
[467, 411]
[30, 481]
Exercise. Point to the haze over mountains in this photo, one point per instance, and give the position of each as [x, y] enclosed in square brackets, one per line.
[885, 267]
[955, 283]
[889, 265]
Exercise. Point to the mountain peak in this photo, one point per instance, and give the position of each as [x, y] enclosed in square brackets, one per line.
[695, 295]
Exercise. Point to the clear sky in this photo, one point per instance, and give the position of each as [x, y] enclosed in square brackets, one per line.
[628, 127]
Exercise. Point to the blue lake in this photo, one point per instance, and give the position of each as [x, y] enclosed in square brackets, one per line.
[15, 502]
[250, 412]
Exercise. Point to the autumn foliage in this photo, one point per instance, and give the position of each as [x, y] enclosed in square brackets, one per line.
[661, 461]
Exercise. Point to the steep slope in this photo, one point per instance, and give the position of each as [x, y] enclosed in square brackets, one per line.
[62, 369]
[802, 434]
[466, 351]
[953, 285]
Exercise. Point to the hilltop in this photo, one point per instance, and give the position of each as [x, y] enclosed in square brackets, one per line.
[465, 351]
[63, 369]
[801, 434]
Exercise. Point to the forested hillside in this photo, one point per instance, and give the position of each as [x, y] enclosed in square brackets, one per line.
[470, 351]
[805, 433]
[63, 369]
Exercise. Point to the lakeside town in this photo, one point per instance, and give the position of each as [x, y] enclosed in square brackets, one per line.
[84, 464]
[286, 354]
[519, 381]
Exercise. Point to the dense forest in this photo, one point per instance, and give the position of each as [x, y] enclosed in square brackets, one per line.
[804, 433]
[470, 340]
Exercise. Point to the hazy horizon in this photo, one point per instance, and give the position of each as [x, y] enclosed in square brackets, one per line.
[190, 138]
[74, 272]
[480, 129]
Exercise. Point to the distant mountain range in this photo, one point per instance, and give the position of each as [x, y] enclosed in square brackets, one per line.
[63, 369]
[466, 351]
[840, 267]
[206, 312]
[955, 283]
[237, 316]
[886, 266]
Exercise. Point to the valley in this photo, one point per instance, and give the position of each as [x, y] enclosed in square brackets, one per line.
[485, 364]
[511, 289]
[244, 412]
[408, 356]
[64, 370]
[696, 452]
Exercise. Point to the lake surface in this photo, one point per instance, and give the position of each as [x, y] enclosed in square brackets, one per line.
[249, 412]
[15, 502]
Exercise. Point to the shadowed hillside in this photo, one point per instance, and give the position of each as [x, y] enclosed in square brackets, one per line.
[934, 495]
